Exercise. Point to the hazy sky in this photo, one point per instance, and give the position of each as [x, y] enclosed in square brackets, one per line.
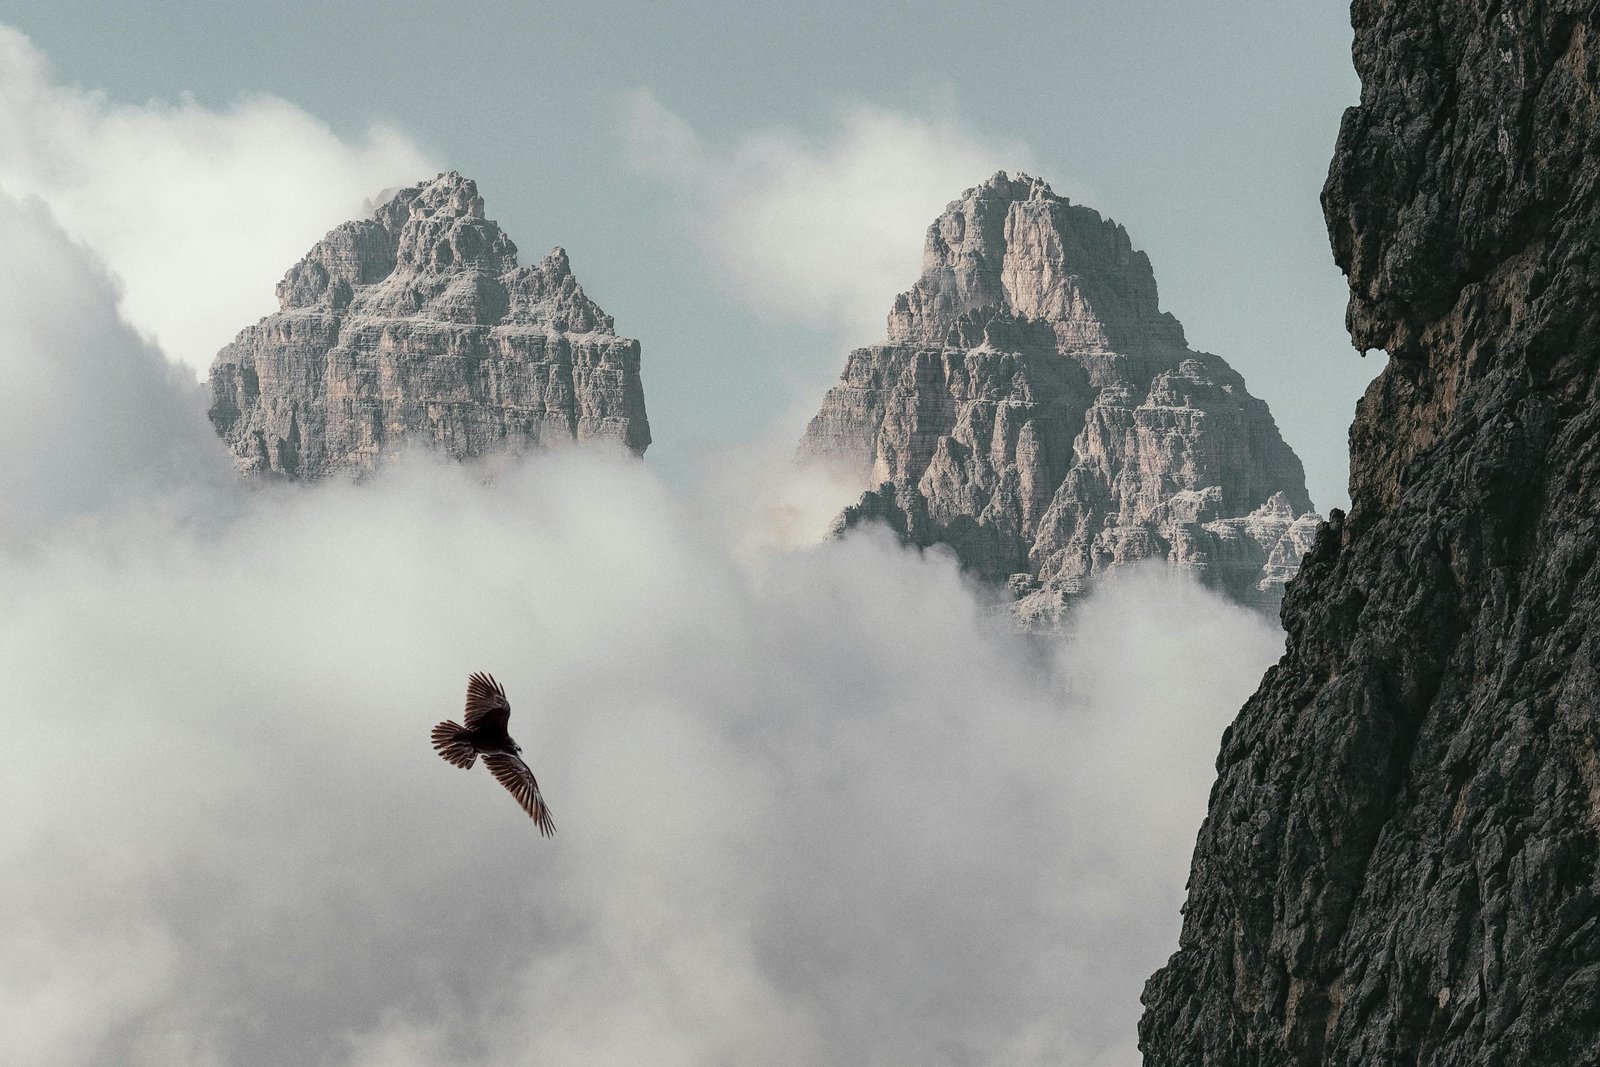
[822, 139]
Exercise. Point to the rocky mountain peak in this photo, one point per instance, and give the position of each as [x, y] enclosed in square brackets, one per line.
[555, 261]
[1011, 246]
[444, 229]
[1035, 410]
[418, 321]
[434, 227]
[549, 295]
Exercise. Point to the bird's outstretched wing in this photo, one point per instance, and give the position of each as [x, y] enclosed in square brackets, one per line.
[486, 703]
[512, 773]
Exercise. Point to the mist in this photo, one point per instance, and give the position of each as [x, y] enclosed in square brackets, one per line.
[818, 802]
[817, 806]
[196, 210]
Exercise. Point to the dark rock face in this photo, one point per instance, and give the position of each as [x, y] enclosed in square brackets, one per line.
[1401, 862]
[417, 324]
[1035, 410]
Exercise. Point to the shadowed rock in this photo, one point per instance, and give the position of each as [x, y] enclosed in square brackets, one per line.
[1401, 861]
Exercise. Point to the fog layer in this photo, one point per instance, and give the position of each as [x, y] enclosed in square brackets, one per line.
[816, 805]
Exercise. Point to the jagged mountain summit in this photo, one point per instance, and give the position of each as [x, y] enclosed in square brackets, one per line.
[1401, 860]
[417, 324]
[1035, 410]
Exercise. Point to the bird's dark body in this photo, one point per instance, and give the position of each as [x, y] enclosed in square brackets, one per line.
[485, 741]
[489, 734]
[484, 734]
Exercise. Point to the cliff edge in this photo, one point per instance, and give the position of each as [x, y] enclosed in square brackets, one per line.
[1401, 860]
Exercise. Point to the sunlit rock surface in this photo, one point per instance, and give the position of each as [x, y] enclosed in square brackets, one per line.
[1036, 411]
[417, 324]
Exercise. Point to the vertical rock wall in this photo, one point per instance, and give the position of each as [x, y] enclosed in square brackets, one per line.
[1401, 862]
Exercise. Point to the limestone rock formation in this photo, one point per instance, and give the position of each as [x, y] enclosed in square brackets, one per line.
[1401, 862]
[1035, 410]
[417, 324]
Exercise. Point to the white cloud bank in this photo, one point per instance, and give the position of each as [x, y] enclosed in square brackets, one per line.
[815, 806]
[91, 416]
[818, 810]
[820, 231]
[198, 211]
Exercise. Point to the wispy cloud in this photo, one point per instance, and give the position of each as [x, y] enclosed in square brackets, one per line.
[823, 231]
[198, 211]
[91, 416]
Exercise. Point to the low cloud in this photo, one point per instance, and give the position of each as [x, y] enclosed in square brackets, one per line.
[816, 804]
[197, 210]
[816, 807]
[91, 416]
[823, 231]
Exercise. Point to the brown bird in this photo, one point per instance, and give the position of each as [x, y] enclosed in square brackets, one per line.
[485, 735]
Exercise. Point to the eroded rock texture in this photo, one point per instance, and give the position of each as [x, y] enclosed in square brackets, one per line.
[1400, 861]
[1034, 409]
[418, 324]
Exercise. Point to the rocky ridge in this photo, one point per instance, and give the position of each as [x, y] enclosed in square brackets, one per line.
[1036, 411]
[417, 324]
[1401, 861]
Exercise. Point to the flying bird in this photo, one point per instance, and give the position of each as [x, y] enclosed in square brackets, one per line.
[485, 735]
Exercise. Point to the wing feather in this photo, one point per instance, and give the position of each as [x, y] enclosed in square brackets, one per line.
[449, 743]
[514, 774]
[486, 703]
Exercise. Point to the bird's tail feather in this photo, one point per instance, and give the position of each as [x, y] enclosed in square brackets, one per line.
[450, 740]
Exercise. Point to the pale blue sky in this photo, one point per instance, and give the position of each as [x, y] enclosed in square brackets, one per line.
[1204, 127]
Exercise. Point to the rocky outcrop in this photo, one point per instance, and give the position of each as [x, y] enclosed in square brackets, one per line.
[1401, 862]
[417, 324]
[1034, 409]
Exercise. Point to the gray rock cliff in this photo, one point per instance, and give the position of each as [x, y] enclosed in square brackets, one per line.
[1035, 410]
[1401, 861]
[417, 324]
